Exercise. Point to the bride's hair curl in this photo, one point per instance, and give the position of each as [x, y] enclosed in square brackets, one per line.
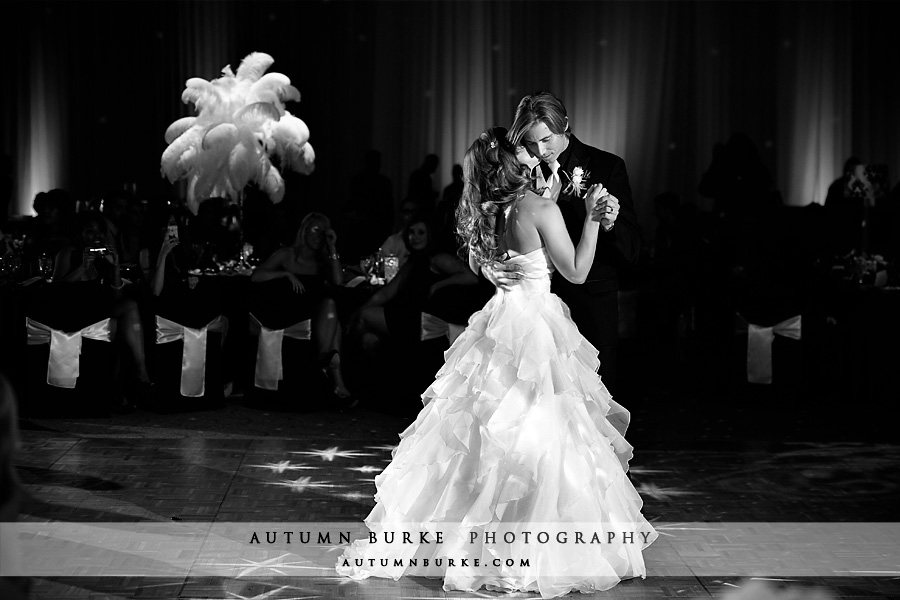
[492, 178]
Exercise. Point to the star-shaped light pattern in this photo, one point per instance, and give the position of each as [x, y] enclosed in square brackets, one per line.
[356, 496]
[341, 580]
[271, 594]
[661, 494]
[383, 448]
[476, 594]
[643, 471]
[664, 529]
[366, 469]
[275, 565]
[285, 465]
[330, 454]
[302, 484]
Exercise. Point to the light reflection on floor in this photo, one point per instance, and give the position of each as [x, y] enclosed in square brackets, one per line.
[241, 464]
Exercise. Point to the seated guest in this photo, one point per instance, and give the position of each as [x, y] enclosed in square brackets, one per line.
[395, 310]
[175, 292]
[124, 214]
[173, 255]
[395, 243]
[161, 219]
[88, 258]
[844, 211]
[311, 264]
[50, 229]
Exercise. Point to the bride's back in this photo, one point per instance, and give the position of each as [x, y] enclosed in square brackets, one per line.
[521, 235]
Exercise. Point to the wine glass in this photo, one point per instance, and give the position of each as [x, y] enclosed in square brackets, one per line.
[45, 266]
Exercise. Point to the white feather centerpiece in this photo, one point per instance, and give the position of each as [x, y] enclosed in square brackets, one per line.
[241, 124]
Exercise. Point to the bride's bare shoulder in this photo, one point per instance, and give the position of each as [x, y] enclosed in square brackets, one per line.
[533, 203]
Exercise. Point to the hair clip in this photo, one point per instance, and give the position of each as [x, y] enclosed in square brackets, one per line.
[493, 143]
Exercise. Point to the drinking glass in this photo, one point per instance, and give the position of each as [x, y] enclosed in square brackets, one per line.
[391, 266]
[45, 266]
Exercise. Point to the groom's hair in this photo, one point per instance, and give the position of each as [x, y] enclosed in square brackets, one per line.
[539, 107]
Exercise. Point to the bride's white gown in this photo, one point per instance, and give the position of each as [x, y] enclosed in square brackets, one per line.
[517, 433]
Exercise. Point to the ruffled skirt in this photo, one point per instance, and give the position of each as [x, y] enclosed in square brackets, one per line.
[518, 437]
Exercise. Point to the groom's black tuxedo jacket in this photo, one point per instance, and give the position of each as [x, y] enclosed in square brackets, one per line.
[615, 249]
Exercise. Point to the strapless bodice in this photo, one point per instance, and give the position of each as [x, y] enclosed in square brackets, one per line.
[537, 268]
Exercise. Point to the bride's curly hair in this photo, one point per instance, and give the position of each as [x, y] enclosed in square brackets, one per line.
[492, 178]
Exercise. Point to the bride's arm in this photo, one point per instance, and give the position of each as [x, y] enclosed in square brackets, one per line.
[573, 263]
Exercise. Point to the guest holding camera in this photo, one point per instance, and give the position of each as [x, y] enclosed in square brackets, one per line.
[170, 250]
[90, 258]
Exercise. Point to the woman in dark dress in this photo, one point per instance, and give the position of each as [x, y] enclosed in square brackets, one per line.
[311, 264]
[395, 310]
[175, 291]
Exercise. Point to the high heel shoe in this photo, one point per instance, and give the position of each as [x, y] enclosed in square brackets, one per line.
[325, 359]
[344, 403]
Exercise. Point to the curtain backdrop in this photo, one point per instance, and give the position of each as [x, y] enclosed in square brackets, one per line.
[93, 85]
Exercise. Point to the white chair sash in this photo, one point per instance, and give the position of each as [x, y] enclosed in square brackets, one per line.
[759, 345]
[269, 365]
[193, 355]
[63, 366]
[434, 327]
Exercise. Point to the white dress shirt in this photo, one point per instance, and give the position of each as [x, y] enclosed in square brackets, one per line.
[551, 186]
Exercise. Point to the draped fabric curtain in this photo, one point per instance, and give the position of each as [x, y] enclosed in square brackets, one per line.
[39, 133]
[96, 84]
[658, 83]
[815, 99]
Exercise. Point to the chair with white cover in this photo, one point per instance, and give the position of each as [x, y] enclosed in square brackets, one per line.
[285, 370]
[69, 352]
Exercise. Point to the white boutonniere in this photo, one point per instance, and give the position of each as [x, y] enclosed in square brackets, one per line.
[577, 181]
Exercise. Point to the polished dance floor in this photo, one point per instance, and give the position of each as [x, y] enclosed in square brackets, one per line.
[744, 490]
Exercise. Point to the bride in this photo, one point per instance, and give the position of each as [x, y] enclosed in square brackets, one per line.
[513, 476]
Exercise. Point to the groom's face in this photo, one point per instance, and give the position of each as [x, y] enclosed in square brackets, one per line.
[543, 143]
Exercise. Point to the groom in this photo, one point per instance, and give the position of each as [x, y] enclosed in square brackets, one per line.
[565, 168]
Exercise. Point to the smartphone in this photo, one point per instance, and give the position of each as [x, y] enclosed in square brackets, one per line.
[172, 232]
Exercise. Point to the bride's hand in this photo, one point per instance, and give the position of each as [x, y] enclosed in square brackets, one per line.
[593, 206]
[607, 211]
[503, 275]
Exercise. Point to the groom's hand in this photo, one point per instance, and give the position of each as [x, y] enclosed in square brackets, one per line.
[503, 275]
[607, 211]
